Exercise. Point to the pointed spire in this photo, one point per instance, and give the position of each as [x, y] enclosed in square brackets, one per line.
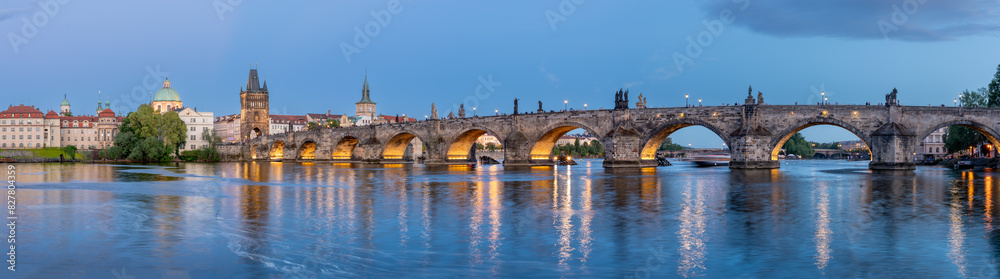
[265, 86]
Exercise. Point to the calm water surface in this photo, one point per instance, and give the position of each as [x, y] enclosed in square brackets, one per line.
[304, 220]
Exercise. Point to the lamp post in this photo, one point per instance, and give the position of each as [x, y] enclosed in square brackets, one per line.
[566, 102]
[584, 106]
[960, 98]
[699, 102]
[686, 100]
[825, 101]
[823, 94]
[497, 111]
[474, 112]
[956, 102]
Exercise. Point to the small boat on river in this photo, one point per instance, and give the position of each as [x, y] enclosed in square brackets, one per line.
[711, 160]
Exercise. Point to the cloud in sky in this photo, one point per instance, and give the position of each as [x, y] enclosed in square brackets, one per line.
[907, 20]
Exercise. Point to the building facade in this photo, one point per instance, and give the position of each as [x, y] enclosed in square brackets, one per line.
[933, 145]
[199, 125]
[254, 109]
[23, 127]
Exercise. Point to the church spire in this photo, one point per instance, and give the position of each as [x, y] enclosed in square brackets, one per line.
[265, 86]
[365, 93]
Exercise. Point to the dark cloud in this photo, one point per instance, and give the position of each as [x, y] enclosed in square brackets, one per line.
[908, 20]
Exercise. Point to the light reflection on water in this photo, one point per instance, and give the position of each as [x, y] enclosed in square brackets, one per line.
[808, 219]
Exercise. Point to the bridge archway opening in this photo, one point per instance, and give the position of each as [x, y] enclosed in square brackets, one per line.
[255, 133]
[545, 147]
[661, 144]
[482, 140]
[253, 151]
[345, 148]
[277, 150]
[978, 139]
[395, 148]
[857, 149]
[307, 151]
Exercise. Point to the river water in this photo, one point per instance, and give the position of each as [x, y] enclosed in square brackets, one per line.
[325, 220]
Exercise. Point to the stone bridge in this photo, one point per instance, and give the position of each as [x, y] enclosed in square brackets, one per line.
[630, 137]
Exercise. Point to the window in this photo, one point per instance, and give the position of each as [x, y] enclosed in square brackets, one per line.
[21, 145]
[21, 129]
[192, 137]
[182, 147]
[3, 137]
[194, 120]
[4, 122]
[192, 147]
[192, 129]
[38, 136]
[38, 129]
[38, 145]
[5, 145]
[4, 129]
[21, 136]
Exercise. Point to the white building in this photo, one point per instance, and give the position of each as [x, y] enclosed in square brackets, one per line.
[198, 123]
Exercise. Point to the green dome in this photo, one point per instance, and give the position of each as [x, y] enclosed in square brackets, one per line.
[64, 103]
[167, 94]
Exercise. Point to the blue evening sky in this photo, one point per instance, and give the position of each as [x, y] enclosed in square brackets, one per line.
[440, 51]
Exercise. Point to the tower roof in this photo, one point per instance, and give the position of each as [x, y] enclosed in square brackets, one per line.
[365, 98]
[65, 102]
[253, 82]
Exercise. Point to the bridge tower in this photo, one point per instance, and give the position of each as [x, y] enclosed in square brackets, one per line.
[255, 118]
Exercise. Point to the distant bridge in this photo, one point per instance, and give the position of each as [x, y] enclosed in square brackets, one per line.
[754, 133]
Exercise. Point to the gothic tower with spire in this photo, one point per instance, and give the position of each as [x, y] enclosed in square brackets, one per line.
[254, 108]
[365, 107]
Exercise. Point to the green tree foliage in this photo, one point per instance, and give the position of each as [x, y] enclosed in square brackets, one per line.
[480, 146]
[70, 150]
[147, 136]
[492, 146]
[577, 149]
[668, 144]
[959, 138]
[993, 90]
[312, 125]
[798, 145]
[332, 123]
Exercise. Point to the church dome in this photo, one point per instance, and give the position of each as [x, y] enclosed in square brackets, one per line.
[166, 94]
[64, 103]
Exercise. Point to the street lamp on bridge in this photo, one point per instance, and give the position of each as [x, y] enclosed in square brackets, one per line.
[584, 106]
[699, 102]
[566, 102]
[823, 94]
[686, 100]
[473, 111]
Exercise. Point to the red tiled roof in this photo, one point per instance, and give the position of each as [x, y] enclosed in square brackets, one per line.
[21, 111]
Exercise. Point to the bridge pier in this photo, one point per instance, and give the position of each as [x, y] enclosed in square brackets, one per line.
[893, 148]
[623, 149]
[751, 149]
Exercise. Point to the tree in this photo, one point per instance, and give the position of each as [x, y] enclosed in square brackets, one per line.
[173, 131]
[993, 90]
[332, 123]
[312, 125]
[798, 145]
[145, 135]
[480, 146]
[70, 151]
[668, 144]
[491, 146]
[959, 138]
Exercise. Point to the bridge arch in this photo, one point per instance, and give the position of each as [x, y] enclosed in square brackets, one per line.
[783, 136]
[661, 132]
[541, 147]
[307, 150]
[395, 147]
[254, 133]
[277, 150]
[253, 151]
[344, 148]
[459, 146]
[991, 135]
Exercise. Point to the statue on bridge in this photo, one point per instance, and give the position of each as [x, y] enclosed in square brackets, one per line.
[621, 99]
[461, 111]
[641, 104]
[515, 106]
[434, 111]
[451, 115]
[540, 107]
[760, 98]
[750, 100]
[890, 99]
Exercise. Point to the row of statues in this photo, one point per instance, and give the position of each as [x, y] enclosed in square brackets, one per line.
[621, 102]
